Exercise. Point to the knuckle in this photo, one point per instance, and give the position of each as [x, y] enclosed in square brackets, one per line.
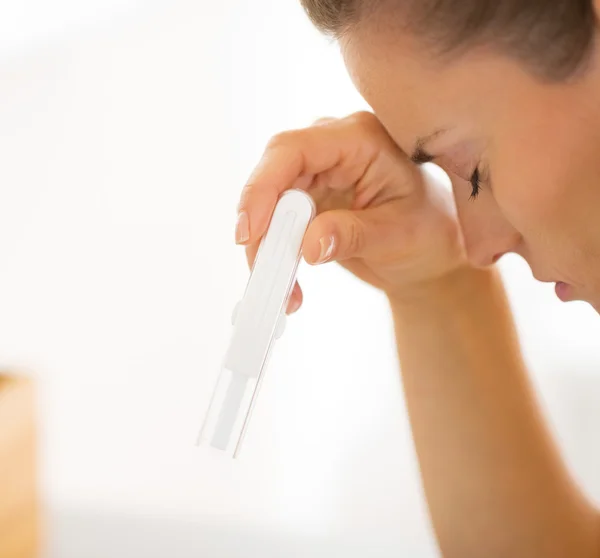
[282, 139]
[369, 128]
[324, 120]
[356, 238]
[364, 119]
[362, 116]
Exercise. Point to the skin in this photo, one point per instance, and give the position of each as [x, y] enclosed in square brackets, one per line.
[494, 481]
[536, 146]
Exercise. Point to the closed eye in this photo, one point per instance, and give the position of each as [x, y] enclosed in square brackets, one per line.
[475, 181]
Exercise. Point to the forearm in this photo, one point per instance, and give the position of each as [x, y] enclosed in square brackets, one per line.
[494, 481]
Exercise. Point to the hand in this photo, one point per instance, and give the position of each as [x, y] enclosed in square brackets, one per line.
[378, 214]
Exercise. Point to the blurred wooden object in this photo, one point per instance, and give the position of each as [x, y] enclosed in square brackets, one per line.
[18, 482]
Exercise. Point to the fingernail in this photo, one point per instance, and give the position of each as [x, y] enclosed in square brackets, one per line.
[242, 228]
[327, 245]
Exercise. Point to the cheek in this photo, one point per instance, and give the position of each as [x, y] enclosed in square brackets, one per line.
[544, 164]
[543, 183]
[550, 193]
[530, 197]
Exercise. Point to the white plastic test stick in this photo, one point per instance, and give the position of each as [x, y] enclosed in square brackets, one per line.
[258, 320]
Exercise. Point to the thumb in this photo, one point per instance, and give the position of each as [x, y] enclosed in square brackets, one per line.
[343, 234]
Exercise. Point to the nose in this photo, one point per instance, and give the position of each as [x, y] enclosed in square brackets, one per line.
[485, 246]
[487, 233]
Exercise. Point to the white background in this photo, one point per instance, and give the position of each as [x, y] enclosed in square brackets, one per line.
[127, 129]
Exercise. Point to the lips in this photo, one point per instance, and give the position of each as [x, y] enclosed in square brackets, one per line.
[564, 291]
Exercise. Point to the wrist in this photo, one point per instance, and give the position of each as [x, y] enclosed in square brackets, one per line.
[458, 285]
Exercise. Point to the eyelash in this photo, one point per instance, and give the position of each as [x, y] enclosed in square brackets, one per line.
[475, 181]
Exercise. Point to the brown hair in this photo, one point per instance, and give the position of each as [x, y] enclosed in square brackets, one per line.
[553, 37]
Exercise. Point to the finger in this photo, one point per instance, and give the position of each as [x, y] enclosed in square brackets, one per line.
[295, 299]
[251, 252]
[324, 120]
[260, 205]
[342, 234]
[302, 153]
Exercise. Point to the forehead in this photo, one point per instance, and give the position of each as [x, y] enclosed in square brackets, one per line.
[395, 77]
[413, 91]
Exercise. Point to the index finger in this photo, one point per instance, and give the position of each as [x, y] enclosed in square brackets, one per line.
[292, 159]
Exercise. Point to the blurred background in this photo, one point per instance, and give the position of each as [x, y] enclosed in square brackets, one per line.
[127, 129]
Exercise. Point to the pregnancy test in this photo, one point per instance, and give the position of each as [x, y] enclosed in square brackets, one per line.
[258, 320]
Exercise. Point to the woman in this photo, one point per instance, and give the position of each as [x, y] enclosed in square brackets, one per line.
[504, 95]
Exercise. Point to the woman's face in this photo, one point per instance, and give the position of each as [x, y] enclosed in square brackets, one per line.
[535, 146]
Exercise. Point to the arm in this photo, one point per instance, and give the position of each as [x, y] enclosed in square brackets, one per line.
[494, 482]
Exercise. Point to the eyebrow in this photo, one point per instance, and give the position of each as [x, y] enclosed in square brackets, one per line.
[420, 155]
